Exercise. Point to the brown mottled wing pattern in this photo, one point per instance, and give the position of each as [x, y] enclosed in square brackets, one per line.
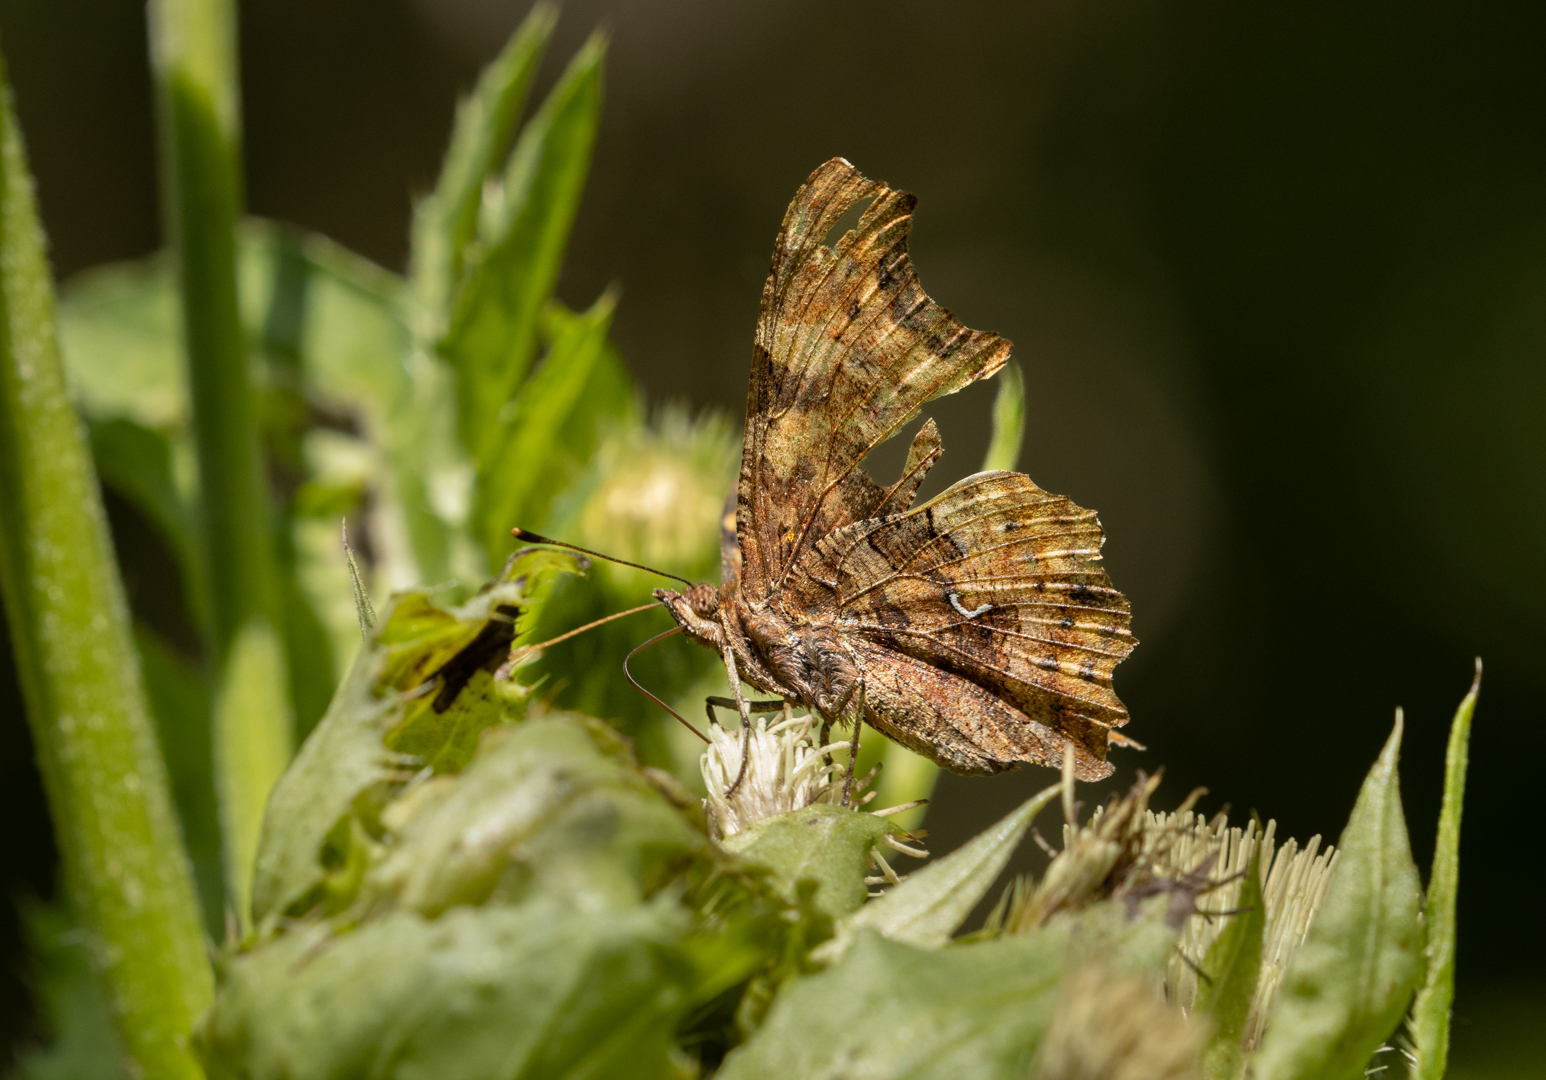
[848, 349]
[984, 624]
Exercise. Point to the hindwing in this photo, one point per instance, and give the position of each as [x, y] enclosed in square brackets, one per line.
[997, 583]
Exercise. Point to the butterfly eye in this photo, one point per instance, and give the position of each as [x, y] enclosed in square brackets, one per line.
[704, 600]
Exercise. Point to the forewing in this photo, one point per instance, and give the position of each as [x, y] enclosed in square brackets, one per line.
[848, 349]
[995, 581]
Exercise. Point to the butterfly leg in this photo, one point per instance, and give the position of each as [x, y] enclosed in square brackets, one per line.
[853, 748]
[744, 709]
[756, 708]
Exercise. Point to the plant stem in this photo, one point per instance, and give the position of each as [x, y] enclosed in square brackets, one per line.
[193, 49]
[125, 869]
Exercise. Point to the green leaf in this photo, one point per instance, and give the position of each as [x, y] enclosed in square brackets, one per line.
[1008, 421]
[966, 1012]
[445, 737]
[823, 843]
[1430, 1012]
[1348, 985]
[124, 863]
[526, 464]
[119, 337]
[338, 319]
[1232, 969]
[975, 1012]
[522, 918]
[445, 221]
[493, 334]
[557, 806]
[306, 851]
[330, 797]
[546, 989]
[307, 301]
[933, 902]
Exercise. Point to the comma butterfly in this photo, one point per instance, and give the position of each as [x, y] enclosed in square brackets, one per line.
[979, 629]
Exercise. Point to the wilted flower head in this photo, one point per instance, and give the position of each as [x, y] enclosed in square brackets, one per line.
[1128, 851]
[1111, 1028]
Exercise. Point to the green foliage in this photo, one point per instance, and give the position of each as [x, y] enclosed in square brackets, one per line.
[930, 906]
[825, 845]
[1350, 983]
[598, 994]
[576, 387]
[551, 881]
[446, 220]
[1430, 1012]
[972, 1011]
[353, 418]
[1233, 969]
[329, 802]
[651, 494]
[492, 334]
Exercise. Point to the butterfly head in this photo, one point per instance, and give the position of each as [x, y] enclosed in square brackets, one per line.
[697, 611]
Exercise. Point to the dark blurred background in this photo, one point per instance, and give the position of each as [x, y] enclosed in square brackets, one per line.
[1276, 275]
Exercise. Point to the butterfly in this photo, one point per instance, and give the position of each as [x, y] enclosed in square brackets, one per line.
[978, 629]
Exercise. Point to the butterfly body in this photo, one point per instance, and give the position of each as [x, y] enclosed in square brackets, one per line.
[979, 628]
[809, 665]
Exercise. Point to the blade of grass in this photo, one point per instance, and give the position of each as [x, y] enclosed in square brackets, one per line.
[125, 868]
[193, 50]
[493, 334]
[1430, 1012]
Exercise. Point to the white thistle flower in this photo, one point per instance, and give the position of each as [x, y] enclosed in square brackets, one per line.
[1293, 884]
[785, 771]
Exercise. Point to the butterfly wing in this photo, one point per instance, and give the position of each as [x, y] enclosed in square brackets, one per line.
[997, 586]
[848, 349]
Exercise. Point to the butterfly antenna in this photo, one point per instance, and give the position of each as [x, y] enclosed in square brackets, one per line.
[637, 650]
[588, 626]
[535, 538]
